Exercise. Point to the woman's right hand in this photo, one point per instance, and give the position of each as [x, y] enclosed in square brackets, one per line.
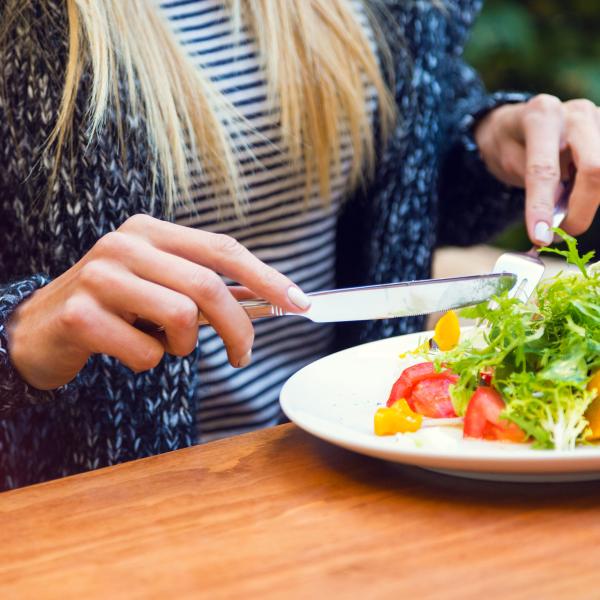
[148, 269]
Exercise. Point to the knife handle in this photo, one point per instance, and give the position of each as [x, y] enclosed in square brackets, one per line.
[255, 309]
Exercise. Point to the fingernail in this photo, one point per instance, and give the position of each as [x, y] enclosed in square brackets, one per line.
[245, 360]
[542, 233]
[298, 297]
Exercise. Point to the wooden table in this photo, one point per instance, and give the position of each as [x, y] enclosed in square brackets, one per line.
[279, 514]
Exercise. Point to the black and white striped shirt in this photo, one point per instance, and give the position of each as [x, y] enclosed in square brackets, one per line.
[280, 229]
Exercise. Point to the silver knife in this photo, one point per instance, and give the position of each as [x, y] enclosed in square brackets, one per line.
[405, 299]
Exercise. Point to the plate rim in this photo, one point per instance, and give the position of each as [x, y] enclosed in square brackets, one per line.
[526, 460]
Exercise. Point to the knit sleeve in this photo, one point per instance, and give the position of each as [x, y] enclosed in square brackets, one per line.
[474, 205]
[14, 391]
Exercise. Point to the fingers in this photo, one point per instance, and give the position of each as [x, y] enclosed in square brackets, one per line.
[556, 136]
[513, 163]
[208, 292]
[168, 290]
[222, 254]
[241, 293]
[100, 331]
[128, 295]
[583, 138]
[187, 261]
[499, 136]
[542, 126]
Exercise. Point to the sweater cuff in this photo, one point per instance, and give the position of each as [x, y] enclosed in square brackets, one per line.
[466, 126]
[14, 391]
[465, 177]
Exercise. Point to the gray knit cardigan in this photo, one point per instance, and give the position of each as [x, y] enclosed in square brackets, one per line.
[430, 187]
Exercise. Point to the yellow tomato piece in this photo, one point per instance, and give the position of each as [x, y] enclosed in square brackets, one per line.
[447, 331]
[383, 422]
[399, 418]
[402, 405]
[592, 414]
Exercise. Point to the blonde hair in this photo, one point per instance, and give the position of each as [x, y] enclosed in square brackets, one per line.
[319, 66]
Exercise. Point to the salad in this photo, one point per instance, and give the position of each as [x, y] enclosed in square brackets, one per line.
[532, 374]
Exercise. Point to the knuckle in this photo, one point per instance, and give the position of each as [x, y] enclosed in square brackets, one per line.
[544, 103]
[112, 244]
[77, 313]
[269, 277]
[225, 244]
[184, 314]
[543, 171]
[581, 106]
[94, 273]
[206, 284]
[183, 348]
[137, 222]
[196, 280]
[149, 357]
[580, 119]
[540, 205]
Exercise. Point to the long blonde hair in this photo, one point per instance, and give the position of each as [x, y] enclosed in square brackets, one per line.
[318, 62]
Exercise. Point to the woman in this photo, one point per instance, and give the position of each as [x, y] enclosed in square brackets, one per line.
[140, 141]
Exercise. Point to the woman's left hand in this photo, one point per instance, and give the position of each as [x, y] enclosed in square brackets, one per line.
[534, 145]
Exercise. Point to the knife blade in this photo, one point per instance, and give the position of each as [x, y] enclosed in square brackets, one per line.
[386, 301]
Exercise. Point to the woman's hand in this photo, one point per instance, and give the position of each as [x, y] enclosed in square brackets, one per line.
[147, 269]
[533, 145]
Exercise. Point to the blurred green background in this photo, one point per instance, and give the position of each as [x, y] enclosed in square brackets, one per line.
[547, 46]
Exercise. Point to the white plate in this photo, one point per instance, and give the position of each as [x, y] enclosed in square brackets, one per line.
[336, 397]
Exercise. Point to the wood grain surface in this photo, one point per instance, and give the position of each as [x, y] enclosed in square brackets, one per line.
[278, 514]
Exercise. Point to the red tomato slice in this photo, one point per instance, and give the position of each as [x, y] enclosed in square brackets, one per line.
[425, 390]
[482, 419]
[413, 375]
[400, 389]
[431, 398]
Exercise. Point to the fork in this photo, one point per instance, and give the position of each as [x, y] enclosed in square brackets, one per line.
[527, 266]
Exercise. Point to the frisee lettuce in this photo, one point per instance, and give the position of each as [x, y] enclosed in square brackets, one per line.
[542, 353]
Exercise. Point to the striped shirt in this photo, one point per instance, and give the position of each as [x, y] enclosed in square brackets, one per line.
[280, 229]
